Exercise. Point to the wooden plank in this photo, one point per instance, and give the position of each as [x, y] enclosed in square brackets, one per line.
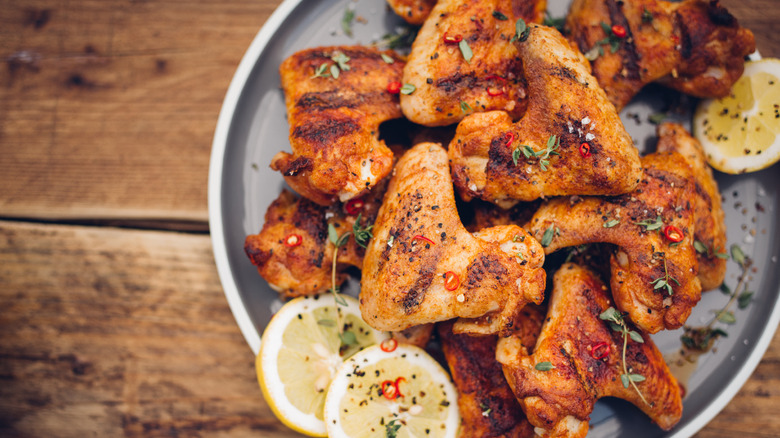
[113, 332]
[108, 109]
[120, 332]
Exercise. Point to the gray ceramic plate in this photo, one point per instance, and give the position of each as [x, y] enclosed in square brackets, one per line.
[252, 128]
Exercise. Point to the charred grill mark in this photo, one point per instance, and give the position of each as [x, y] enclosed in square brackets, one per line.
[321, 100]
[563, 73]
[310, 218]
[686, 40]
[457, 81]
[296, 166]
[322, 133]
[415, 295]
[484, 267]
[630, 55]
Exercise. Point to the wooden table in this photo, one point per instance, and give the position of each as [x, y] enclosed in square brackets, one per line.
[112, 318]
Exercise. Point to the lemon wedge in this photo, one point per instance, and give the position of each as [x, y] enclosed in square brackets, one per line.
[300, 353]
[741, 132]
[404, 393]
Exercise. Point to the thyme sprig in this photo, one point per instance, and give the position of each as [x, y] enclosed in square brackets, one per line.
[651, 224]
[664, 280]
[326, 70]
[618, 323]
[611, 40]
[542, 156]
[391, 428]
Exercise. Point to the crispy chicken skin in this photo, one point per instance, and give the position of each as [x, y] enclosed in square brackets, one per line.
[488, 407]
[413, 11]
[565, 101]
[419, 242]
[305, 269]
[694, 46]
[559, 401]
[334, 122]
[710, 228]
[666, 190]
[448, 87]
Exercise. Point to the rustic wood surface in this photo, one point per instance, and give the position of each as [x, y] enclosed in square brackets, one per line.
[113, 321]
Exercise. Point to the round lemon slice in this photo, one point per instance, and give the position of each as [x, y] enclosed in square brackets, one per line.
[741, 132]
[301, 351]
[404, 393]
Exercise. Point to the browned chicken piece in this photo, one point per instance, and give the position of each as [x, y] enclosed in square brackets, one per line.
[578, 359]
[293, 253]
[570, 141]
[423, 266]
[694, 46]
[488, 408]
[418, 335]
[654, 269]
[413, 11]
[710, 228]
[463, 61]
[336, 99]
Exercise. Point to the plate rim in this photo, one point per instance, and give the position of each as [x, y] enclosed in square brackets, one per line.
[225, 273]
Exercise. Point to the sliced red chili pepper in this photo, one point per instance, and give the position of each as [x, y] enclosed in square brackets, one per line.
[293, 240]
[388, 345]
[394, 87]
[604, 353]
[673, 233]
[585, 150]
[389, 390]
[354, 206]
[619, 31]
[510, 138]
[424, 238]
[496, 77]
[451, 280]
[493, 91]
[452, 39]
[397, 389]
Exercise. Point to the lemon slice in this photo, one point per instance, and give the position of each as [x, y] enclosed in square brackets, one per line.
[740, 132]
[404, 393]
[300, 354]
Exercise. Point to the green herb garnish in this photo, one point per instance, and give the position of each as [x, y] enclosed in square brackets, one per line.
[465, 50]
[544, 366]
[408, 89]
[618, 323]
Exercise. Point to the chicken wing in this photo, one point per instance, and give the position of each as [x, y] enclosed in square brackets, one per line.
[654, 269]
[570, 141]
[336, 99]
[423, 266]
[463, 61]
[292, 251]
[710, 228]
[694, 46]
[488, 407]
[578, 359]
[413, 11]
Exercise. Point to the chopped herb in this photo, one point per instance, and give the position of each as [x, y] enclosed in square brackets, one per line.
[499, 16]
[334, 71]
[465, 107]
[726, 317]
[544, 366]
[647, 16]
[701, 339]
[657, 118]
[362, 234]
[516, 154]
[348, 338]
[737, 255]
[387, 59]
[465, 50]
[321, 71]
[341, 60]
[664, 281]
[391, 428]
[521, 31]
[553, 143]
[611, 223]
[485, 409]
[401, 40]
[744, 299]
[408, 89]
[618, 323]
[547, 237]
[612, 40]
[651, 224]
[346, 21]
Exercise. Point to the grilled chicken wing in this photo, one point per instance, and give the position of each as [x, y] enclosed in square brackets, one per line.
[710, 228]
[488, 408]
[570, 141]
[653, 278]
[694, 46]
[292, 251]
[559, 401]
[336, 99]
[423, 266]
[413, 11]
[451, 81]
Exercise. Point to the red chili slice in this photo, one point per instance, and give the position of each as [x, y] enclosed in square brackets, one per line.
[452, 39]
[389, 390]
[585, 150]
[424, 238]
[354, 206]
[604, 353]
[397, 389]
[388, 345]
[493, 91]
[394, 87]
[451, 280]
[673, 233]
[619, 31]
[510, 138]
[293, 240]
[496, 77]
